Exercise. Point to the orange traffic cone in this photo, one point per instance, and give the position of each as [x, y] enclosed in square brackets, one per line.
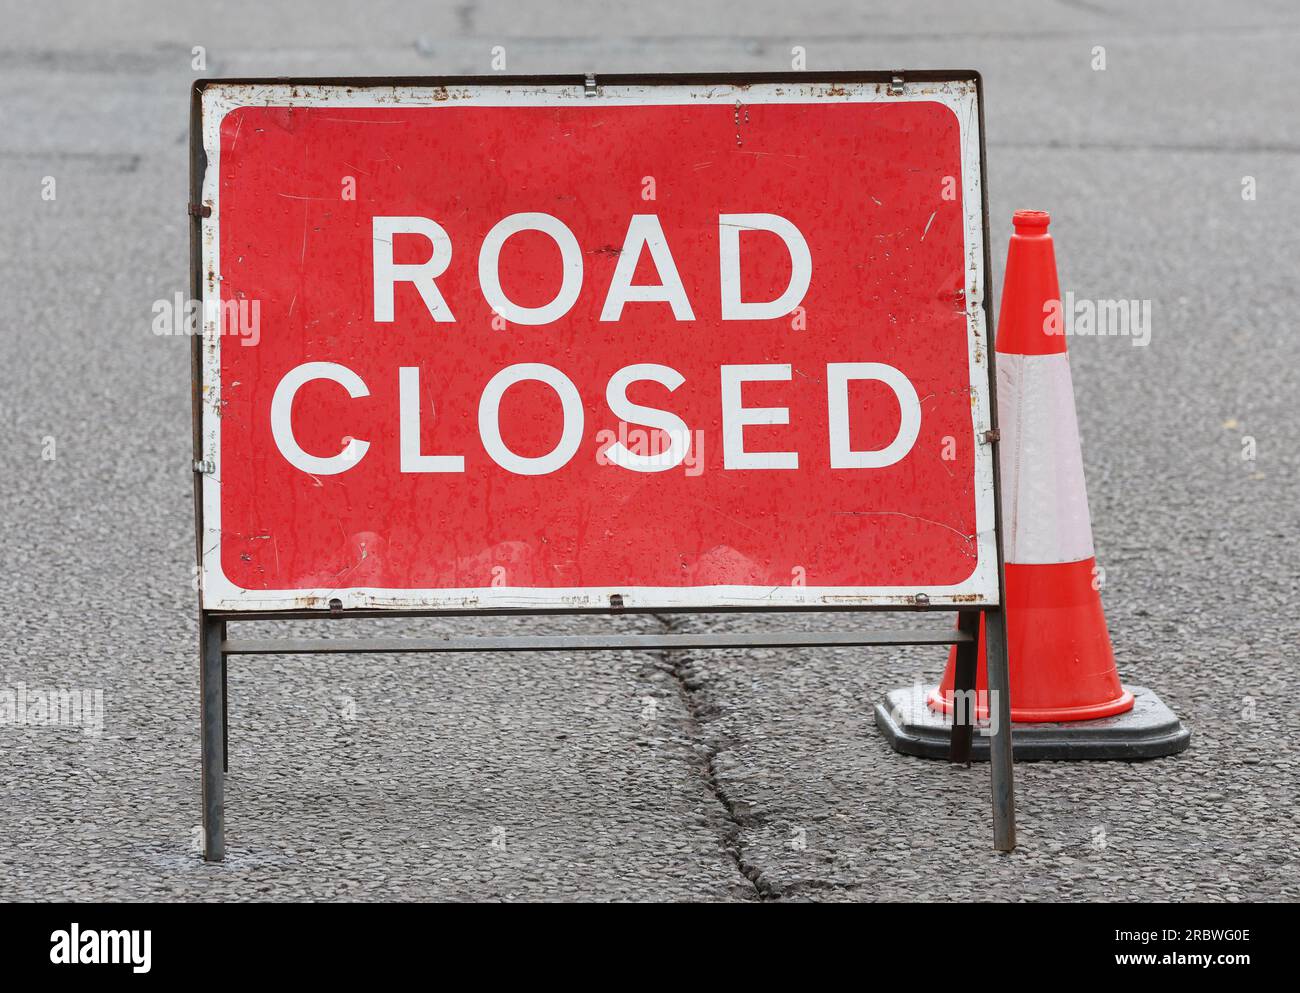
[1059, 654]
[1058, 649]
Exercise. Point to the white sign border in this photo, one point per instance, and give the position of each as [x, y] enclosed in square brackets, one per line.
[959, 95]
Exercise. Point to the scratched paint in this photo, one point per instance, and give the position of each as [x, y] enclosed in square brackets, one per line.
[897, 276]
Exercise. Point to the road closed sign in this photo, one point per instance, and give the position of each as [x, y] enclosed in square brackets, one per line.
[555, 344]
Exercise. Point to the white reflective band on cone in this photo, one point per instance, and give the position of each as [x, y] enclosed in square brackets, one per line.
[1045, 503]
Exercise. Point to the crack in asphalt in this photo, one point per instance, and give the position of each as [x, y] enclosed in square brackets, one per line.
[698, 712]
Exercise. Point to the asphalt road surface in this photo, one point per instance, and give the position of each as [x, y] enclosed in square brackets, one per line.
[724, 776]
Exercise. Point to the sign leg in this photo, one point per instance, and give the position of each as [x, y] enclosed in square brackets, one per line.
[963, 696]
[1000, 755]
[225, 709]
[213, 718]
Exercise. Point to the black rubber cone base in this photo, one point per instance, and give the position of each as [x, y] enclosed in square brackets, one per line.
[1148, 731]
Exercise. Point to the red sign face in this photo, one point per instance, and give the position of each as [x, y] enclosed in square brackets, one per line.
[506, 346]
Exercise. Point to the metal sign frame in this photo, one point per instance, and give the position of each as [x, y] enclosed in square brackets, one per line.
[216, 646]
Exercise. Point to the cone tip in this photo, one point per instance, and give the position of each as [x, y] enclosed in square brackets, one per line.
[1031, 221]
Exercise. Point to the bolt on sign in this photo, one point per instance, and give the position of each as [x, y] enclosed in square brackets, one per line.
[558, 344]
[686, 345]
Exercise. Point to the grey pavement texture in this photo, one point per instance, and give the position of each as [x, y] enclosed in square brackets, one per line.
[722, 776]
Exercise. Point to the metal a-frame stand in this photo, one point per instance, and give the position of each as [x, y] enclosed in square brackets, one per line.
[216, 647]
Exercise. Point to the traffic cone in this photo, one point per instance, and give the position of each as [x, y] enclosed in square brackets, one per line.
[1058, 648]
[1066, 697]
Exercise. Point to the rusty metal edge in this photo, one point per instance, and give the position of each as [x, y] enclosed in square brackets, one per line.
[198, 164]
[612, 79]
[990, 325]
